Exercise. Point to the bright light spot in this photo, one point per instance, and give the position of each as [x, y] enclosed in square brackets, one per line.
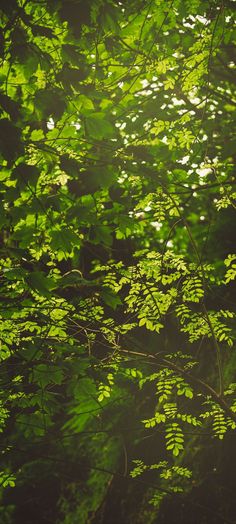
[177, 102]
[184, 160]
[202, 217]
[186, 24]
[144, 83]
[50, 123]
[147, 125]
[203, 171]
[156, 225]
[121, 179]
[62, 178]
[146, 92]
[202, 19]
[195, 100]
[120, 125]
[169, 243]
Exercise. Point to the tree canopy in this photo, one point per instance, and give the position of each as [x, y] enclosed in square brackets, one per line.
[118, 262]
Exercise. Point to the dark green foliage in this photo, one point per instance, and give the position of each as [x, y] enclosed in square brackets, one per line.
[118, 265]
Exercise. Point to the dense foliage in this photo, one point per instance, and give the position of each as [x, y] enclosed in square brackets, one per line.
[118, 261]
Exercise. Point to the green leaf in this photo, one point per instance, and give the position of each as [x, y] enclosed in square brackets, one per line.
[11, 146]
[64, 239]
[25, 174]
[110, 298]
[97, 126]
[101, 234]
[40, 283]
[45, 375]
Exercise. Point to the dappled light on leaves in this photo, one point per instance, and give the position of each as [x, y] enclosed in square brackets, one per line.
[118, 265]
